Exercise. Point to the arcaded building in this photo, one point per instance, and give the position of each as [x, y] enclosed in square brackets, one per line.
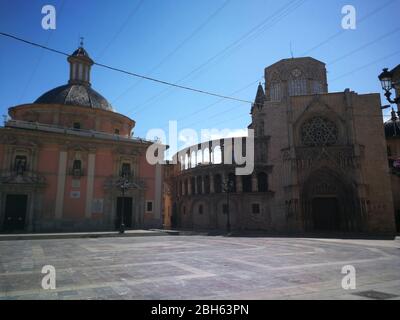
[320, 163]
[65, 157]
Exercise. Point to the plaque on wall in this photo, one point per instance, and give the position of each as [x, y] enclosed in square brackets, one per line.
[75, 194]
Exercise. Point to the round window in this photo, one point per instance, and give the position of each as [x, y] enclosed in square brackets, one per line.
[319, 131]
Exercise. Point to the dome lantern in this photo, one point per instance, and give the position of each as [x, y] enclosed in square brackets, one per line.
[80, 64]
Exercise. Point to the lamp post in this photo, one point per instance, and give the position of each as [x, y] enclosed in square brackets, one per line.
[388, 84]
[124, 185]
[227, 187]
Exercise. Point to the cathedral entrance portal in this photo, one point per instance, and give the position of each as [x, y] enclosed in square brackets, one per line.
[329, 203]
[326, 215]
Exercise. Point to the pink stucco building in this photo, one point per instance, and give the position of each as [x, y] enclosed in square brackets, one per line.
[64, 157]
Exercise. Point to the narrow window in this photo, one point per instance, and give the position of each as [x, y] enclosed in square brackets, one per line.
[255, 208]
[77, 168]
[20, 164]
[149, 206]
[126, 170]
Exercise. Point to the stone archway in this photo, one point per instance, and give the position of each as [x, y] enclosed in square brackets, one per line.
[329, 203]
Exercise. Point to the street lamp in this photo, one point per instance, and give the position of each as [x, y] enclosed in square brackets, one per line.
[227, 187]
[124, 185]
[388, 83]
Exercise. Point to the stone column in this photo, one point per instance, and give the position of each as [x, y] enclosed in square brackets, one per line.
[212, 183]
[202, 185]
[189, 186]
[196, 191]
[209, 153]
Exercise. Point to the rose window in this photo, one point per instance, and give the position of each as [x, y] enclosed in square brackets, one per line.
[319, 131]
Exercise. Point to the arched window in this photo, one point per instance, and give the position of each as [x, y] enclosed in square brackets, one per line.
[232, 182]
[182, 162]
[217, 183]
[193, 161]
[319, 131]
[297, 87]
[262, 179]
[199, 185]
[316, 87]
[276, 93]
[199, 157]
[200, 209]
[207, 184]
[186, 161]
[297, 83]
[193, 185]
[206, 155]
[247, 183]
[217, 153]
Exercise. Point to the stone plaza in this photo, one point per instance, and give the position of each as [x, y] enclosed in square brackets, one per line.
[200, 267]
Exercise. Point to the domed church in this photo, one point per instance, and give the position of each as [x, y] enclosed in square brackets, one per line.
[69, 162]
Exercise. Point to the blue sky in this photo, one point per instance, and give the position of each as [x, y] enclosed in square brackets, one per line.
[171, 39]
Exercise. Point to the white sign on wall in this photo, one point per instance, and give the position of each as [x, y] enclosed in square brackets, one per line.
[75, 194]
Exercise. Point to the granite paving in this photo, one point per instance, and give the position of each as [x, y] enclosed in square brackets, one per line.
[199, 267]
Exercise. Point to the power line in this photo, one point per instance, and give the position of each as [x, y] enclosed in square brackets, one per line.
[39, 60]
[360, 48]
[366, 65]
[132, 13]
[359, 21]
[280, 13]
[380, 38]
[342, 76]
[178, 47]
[130, 73]
[218, 101]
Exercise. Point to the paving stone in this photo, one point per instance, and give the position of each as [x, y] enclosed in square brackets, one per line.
[198, 267]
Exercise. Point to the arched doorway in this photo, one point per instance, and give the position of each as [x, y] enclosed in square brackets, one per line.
[330, 203]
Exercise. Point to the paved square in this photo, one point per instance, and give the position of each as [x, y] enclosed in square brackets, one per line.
[199, 267]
